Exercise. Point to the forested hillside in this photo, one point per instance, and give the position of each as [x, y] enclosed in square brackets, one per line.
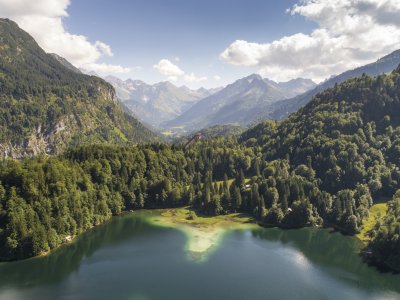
[45, 200]
[348, 140]
[45, 107]
[348, 137]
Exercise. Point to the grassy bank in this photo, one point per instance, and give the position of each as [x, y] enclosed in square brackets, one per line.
[203, 233]
[376, 212]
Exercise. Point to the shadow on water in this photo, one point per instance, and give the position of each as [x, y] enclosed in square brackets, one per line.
[67, 259]
[87, 267]
[334, 252]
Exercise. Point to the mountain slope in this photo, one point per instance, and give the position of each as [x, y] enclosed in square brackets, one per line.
[282, 109]
[45, 107]
[346, 139]
[65, 63]
[158, 103]
[239, 102]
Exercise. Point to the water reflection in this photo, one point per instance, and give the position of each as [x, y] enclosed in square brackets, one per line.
[331, 251]
[67, 259]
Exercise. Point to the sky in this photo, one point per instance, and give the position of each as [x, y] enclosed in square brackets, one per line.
[212, 43]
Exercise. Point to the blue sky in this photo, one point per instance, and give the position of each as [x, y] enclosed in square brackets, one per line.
[142, 32]
[194, 43]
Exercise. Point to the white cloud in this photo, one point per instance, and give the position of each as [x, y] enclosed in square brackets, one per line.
[167, 68]
[107, 68]
[191, 78]
[217, 77]
[103, 48]
[43, 19]
[349, 33]
[173, 78]
[174, 73]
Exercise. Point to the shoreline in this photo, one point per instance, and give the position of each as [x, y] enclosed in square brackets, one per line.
[203, 234]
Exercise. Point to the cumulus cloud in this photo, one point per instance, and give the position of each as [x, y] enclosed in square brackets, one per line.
[191, 78]
[217, 77]
[103, 48]
[167, 68]
[173, 72]
[43, 19]
[349, 33]
[107, 68]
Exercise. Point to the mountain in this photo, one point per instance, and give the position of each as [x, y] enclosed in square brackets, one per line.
[158, 103]
[239, 102]
[90, 73]
[282, 109]
[65, 63]
[346, 144]
[297, 86]
[46, 106]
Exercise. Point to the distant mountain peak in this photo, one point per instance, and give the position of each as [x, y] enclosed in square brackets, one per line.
[156, 103]
[239, 102]
[305, 80]
[252, 77]
[135, 82]
[88, 72]
[66, 63]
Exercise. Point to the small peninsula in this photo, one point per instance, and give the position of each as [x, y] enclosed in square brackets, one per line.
[203, 233]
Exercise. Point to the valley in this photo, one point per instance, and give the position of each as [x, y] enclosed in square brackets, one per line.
[178, 110]
[338, 154]
[181, 111]
[195, 180]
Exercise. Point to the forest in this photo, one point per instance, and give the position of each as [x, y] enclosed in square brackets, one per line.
[324, 165]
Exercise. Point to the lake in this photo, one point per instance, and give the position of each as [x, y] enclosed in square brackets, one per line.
[129, 258]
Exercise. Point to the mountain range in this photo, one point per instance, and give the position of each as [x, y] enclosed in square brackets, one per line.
[239, 102]
[245, 102]
[253, 99]
[282, 109]
[165, 106]
[158, 103]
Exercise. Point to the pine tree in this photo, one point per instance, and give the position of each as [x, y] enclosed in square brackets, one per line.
[255, 195]
[261, 208]
[237, 199]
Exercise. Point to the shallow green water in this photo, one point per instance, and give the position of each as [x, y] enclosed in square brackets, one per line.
[129, 259]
